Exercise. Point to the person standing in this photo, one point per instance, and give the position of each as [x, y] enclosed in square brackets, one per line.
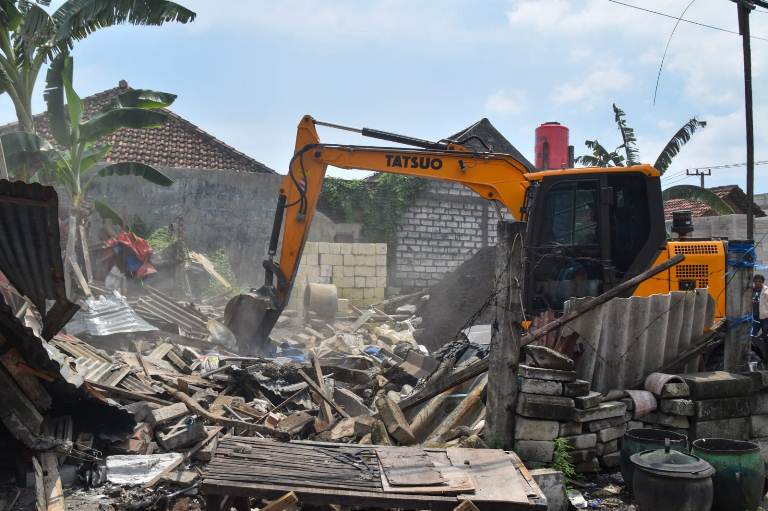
[759, 306]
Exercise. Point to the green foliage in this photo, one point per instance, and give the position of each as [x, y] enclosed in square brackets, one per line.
[627, 135]
[562, 460]
[677, 142]
[223, 265]
[600, 156]
[377, 203]
[161, 239]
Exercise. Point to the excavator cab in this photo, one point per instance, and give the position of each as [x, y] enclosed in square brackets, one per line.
[589, 231]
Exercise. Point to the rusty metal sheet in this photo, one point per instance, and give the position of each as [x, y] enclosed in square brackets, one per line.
[625, 339]
[30, 250]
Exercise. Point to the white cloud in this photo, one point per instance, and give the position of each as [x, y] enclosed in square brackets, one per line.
[506, 101]
[595, 88]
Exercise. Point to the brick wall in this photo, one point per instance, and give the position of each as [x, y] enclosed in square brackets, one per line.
[446, 225]
[358, 270]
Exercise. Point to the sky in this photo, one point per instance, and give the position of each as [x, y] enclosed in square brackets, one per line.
[246, 71]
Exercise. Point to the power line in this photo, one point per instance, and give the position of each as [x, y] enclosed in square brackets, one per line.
[726, 166]
[670, 16]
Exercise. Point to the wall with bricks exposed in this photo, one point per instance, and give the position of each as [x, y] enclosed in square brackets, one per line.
[358, 270]
[444, 227]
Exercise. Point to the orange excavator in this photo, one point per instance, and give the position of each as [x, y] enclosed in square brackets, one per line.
[588, 229]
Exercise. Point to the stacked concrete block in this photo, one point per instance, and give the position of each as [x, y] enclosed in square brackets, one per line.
[358, 270]
[553, 403]
[758, 420]
[722, 405]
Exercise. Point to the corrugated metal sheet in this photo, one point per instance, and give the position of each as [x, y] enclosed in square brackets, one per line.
[626, 339]
[30, 251]
[107, 315]
[157, 305]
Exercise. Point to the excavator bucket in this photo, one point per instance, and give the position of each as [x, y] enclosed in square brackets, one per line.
[251, 317]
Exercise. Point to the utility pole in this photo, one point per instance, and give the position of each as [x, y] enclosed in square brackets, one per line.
[700, 173]
[745, 7]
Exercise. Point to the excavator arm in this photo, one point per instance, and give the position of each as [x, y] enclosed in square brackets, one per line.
[493, 176]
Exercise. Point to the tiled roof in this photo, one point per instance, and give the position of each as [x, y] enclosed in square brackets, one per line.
[177, 144]
[736, 199]
[696, 208]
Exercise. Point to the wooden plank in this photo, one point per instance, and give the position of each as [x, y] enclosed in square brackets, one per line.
[457, 478]
[31, 386]
[496, 477]
[325, 408]
[309, 381]
[40, 502]
[408, 466]
[126, 394]
[54, 493]
[287, 502]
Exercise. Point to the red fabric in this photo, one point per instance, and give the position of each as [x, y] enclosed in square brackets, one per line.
[139, 246]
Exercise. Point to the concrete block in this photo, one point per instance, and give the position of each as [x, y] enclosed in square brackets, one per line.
[381, 260]
[759, 403]
[381, 271]
[367, 260]
[381, 249]
[712, 409]
[582, 455]
[608, 447]
[678, 407]
[664, 419]
[607, 435]
[610, 460]
[353, 293]
[604, 410]
[371, 282]
[335, 248]
[758, 426]
[323, 247]
[591, 400]
[310, 247]
[634, 425]
[182, 437]
[576, 388]
[717, 385]
[545, 407]
[345, 248]
[326, 270]
[545, 374]
[535, 450]
[533, 429]
[348, 271]
[737, 429]
[369, 293]
[571, 428]
[365, 271]
[349, 260]
[552, 484]
[379, 292]
[545, 387]
[166, 414]
[381, 281]
[360, 282]
[583, 441]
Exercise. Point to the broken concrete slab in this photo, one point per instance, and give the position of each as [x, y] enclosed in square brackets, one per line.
[183, 437]
[535, 450]
[547, 358]
[607, 435]
[604, 410]
[552, 484]
[736, 429]
[544, 387]
[591, 400]
[576, 388]
[536, 429]
[296, 423]
[595, 426]
[583, 441]
[545, 407]
[712, 409]
[717, 385]
[540, 373]
[678, 407]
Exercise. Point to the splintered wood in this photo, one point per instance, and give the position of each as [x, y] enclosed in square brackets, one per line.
[366, 476]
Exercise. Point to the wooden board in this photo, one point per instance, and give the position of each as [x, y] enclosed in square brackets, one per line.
[408, 466]
[457, 479]
[496, 477]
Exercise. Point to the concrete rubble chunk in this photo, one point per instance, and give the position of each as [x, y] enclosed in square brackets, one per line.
[544, 387]
[545, 374]
[167, 414]
[545, 407]
[591, 400]
[571, 428]
[607, 435]
[535, 450]
[675, 389]
[678, 407]
[547, 358]
[397, 425]
[552, 484]
[604, 410]
[663, 419]
[576, 388]
[634, 425]
[182, 437]
[712, 409]
[717, 385]
[736, 429]
[534, 429]
[608, 447]
[583, 441]
[611, 460]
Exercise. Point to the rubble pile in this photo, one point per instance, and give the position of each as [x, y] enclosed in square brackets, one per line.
[553, 404]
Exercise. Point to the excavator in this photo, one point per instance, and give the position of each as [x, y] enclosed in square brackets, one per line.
[588, 229]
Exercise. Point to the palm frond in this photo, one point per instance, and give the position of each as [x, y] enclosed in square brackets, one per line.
[627, 135]
[131, 168]
[76, 19]
[104, 123]
[677, 142]
[10, 15]
[108, 213]
[54, 99]
[588, 160]
[698, 194]
[141, 98]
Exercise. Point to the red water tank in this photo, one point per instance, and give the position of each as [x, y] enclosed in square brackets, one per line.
[551, 146]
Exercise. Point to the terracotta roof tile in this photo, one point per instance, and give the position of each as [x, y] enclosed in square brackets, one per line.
[696, 208]
[177, 144]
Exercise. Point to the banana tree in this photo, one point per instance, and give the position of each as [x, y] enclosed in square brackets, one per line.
[600, 156]
[78, 159]
[30, 37]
